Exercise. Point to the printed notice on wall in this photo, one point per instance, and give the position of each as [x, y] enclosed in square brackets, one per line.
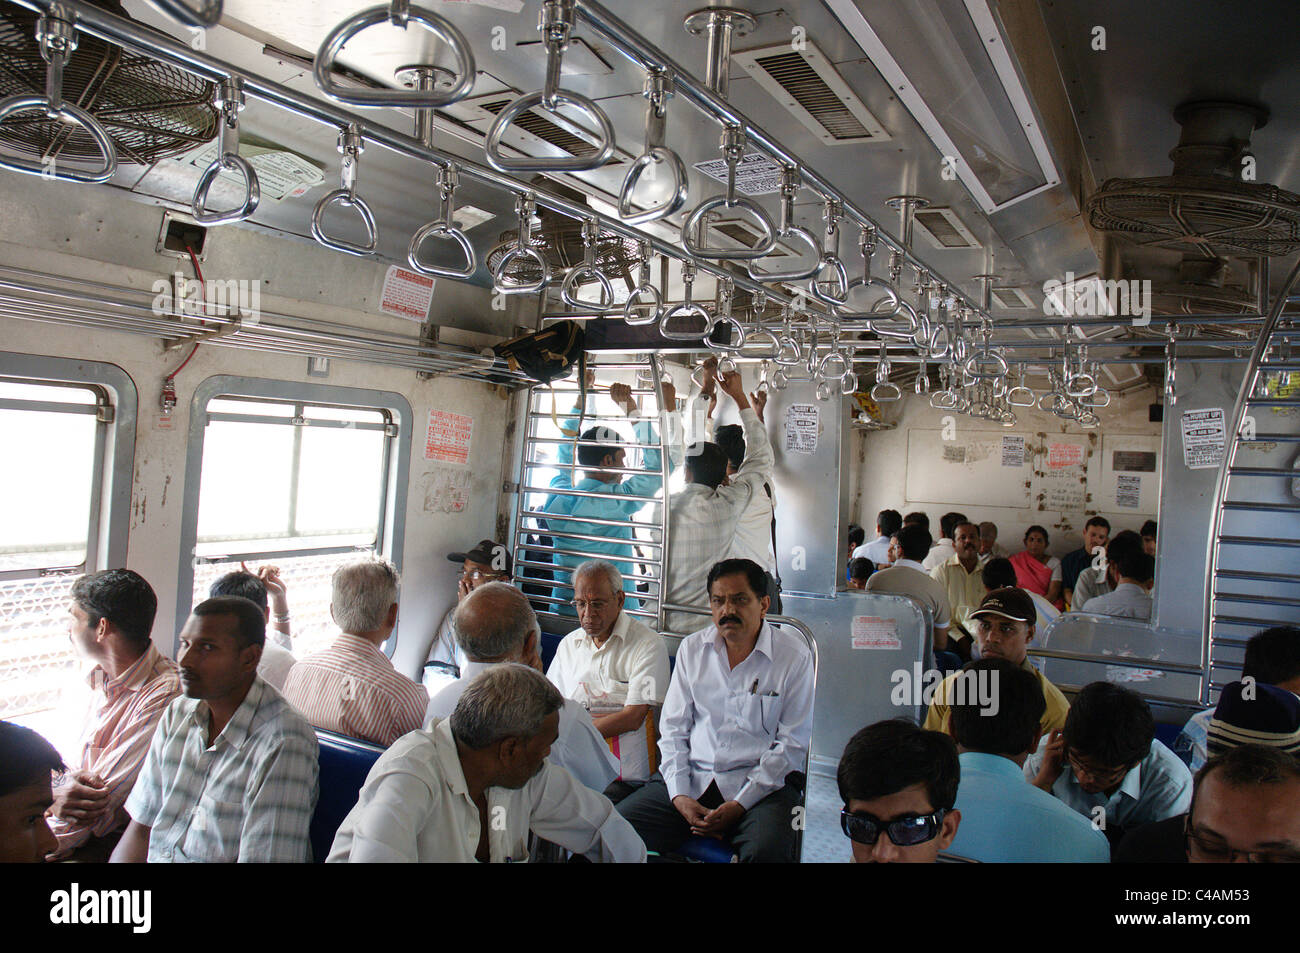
[1013, 451]
[448, 437]
[1204, 437]
[1060, 455]
[406, 294]
[954, 454]
[801, 425]
[756, 174]
[870, 632]
[1128, 492]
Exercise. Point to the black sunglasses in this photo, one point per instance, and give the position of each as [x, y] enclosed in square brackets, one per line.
[907, 831]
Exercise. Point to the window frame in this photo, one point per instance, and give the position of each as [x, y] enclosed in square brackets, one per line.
[391, 532]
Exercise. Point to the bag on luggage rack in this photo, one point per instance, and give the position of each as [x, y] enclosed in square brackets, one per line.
[548, 355]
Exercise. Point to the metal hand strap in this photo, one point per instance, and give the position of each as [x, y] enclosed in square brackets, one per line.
[921, 338]
[788, 353]
[687, 309]
[898, 320]
[205, 15]
[884, 390]
[57, 36]
[555, 24]
[848, 380]
[1014, 397]
[635, 311]
[1080, 383]
[442, 227]
[985, 364]
[590, 238]
[524, 204]
[942, 304]
[726, 291]
[733, 147]
[399, 13]
[760, 343]
[923, 378]
[839, 283]
[658, 89]
[944, 398]
[874, 298]
[1100, 397]
[1171, 366]
[351, 147]
[786, 229]
[230, 99]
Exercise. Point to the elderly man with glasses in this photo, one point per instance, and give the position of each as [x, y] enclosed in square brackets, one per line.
[489, 561]
[617, 668]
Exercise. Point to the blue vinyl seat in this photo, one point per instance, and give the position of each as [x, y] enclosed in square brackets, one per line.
[344, 764]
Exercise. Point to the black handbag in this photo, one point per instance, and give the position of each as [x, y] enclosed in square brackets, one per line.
[549, 355]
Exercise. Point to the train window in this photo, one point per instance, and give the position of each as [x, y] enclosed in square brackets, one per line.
[69, 434]
[305, 482]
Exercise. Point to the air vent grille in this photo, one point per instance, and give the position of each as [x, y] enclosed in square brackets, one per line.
[944, 228]
[541, 127]
[1011, 299]
[801, 81]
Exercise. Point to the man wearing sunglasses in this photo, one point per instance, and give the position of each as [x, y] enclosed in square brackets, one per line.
[899, 786]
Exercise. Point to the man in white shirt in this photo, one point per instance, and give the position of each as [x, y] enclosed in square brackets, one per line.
[704, 515]
[1130, 600]
[945, 548]
[617, 668]
[495, 625]
[472, 786]
[737, 724]
[888, 522]
[489, 561]
[906, 577]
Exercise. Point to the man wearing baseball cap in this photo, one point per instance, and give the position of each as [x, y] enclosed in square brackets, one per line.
[488, 561]
[1004, 625]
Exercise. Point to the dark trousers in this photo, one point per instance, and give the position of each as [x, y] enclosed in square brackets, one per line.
[767, 833]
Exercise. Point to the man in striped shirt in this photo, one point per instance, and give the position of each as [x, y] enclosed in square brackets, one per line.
[352, 687]
[131, 685]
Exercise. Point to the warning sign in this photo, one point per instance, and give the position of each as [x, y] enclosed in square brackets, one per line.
[801, 425]
[448, 437]
[406, 294]
[1060, 455]
[870, 632]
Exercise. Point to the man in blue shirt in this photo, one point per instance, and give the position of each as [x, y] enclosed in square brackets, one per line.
[1108, 765]
[995, 719]
[612, 500]
[1095, 533]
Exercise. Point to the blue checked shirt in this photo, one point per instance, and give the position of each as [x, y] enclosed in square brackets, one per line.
[248, 797]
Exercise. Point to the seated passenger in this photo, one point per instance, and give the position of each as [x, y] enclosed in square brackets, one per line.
[860, 571]
[888, 522]
[996, 722]
[1255, 714]
[1148, 533]
[131, 685]
[616, 667]
[989, 547]
[920, 518]
[1004, 626]
[1246, 804]
[1107, 762]
[351, 687]
[27, 764]
[998, 573]
[489, 561]
[1095, 534]
[1035, 570]
[898, 784]
[963, 582]
[495, 625]
[704, 514]
[945, 548]
[1097, 579]
[906, 577]
[231, 772]
[1272, 658]
[471, 786]
[736, 727]
[856, 537]
[1130, 600]
[276, 660]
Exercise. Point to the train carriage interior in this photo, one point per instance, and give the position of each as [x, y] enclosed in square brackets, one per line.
[291, 283]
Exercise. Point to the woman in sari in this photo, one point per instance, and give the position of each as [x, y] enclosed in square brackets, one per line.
[1035, 570]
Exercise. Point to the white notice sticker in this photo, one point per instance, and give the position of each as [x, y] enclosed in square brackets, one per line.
[448, 437]
[1128, 491]
[1204, 437]
[870, 632]
[406, 294]
[802, 422]
[1013, 451]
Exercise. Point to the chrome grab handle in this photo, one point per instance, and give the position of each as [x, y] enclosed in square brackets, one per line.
[658, 90]
[762, 345]
[726, 289]
[831, 212]
[733, 146]
[887, 327]
[205, 15]
[524, 203]
[976, 365]
[634, 305]
[351, 147]
[787, 230]
[590, 236]
[787, 353]
[399, 13]
[555, 24]
[687, 309]
[442, 227]
[867, 248]
[884, 391]
[57, 36]
[230, 99]
[922, 385]
[1012, 394]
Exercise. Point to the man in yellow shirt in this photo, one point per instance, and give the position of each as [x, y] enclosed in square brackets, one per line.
[1004, 624]
[961, 578]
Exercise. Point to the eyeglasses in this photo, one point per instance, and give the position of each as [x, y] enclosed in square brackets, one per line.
[1106, 776]
[477, 575]
[1216, 852]
[595, 605]
[906, 831]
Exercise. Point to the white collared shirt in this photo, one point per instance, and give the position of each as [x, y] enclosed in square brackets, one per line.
[630, 668]
[877, 551]
[745, 727]
[580, 749]
[415, 807]
[939, 553]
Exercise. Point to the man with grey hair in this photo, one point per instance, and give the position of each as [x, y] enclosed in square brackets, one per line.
[352, 687]
[617, 668]
[496, 625]
[471, 786]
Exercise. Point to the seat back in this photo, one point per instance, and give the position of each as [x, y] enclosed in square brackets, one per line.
[344, 764]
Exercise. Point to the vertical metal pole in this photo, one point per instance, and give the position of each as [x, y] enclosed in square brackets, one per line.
[663, 507]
